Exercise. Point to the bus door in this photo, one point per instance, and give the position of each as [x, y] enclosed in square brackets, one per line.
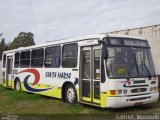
[9, 70]
[90, 74]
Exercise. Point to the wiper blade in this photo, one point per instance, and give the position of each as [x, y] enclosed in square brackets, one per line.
[146, 68]
[135, 61]
[131, 69]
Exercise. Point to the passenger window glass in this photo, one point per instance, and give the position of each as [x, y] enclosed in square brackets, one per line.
[97, 64]
[4, 61]
[70, 53]
[16, 58]
[37, 58]
[25, 59]
[53, 56]
[86, 64]
[9, 65]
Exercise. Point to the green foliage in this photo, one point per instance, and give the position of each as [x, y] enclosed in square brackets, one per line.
[3, 47]
[34, 106]
[22, 40]
[20, 102]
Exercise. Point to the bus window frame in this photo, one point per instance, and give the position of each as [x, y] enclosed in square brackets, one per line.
[42, 58]
[25, 59]
[69, 56]
[52, 56]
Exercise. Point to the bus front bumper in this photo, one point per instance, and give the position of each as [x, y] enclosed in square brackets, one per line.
[125, 101]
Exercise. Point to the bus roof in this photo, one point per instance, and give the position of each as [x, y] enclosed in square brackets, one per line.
[76, 39]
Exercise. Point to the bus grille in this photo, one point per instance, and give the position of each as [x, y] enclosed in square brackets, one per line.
[138, 90]
[141, 98]
[139, 81]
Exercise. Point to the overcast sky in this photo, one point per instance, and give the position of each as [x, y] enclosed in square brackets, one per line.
[58, 19]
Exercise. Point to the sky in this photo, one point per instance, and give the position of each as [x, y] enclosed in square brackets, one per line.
[59, 19]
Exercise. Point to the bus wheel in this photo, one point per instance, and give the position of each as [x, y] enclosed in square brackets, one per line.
[18, 85]
[70, 94]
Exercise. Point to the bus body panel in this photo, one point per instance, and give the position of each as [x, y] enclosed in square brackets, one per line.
[131, 101]
[49, 81]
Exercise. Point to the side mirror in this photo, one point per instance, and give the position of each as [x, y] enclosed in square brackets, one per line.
[104, 52]
[104, 49]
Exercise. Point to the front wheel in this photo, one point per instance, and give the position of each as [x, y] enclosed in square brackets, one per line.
[18, 85]
[70, 94]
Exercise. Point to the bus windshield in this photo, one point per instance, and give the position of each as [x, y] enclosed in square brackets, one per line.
[129, 62]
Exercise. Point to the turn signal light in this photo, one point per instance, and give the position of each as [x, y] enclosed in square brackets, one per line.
[113, 92]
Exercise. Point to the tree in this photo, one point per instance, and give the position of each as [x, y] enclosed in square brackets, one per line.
[3, 46]
[22, 40]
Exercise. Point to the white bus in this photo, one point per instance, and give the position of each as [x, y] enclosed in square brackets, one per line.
[108, 71]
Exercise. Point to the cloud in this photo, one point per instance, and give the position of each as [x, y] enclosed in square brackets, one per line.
[52, 19]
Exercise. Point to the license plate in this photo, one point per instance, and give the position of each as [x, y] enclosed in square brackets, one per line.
[138, 103]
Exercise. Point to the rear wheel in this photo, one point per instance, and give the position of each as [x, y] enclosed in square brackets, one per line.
[70, 94]
[18, 85]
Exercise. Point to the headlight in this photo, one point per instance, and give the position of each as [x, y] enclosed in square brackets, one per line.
[153, 82]
[125, 91]
[153, 89]
[119, 91]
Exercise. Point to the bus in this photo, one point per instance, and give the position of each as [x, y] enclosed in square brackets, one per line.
[107, 71]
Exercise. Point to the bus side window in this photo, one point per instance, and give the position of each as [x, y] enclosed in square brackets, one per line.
[16, 62]
[4, 61]
[53, 57]
[25, 59]
[37, 58]
[70, 54]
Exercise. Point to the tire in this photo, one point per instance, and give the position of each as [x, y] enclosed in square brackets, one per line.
[18, 85]
[70, 94]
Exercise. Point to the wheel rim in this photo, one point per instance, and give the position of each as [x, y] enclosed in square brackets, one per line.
[70, 94]
[17, 85]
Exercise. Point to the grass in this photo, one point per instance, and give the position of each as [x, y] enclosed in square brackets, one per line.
[33, 105]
